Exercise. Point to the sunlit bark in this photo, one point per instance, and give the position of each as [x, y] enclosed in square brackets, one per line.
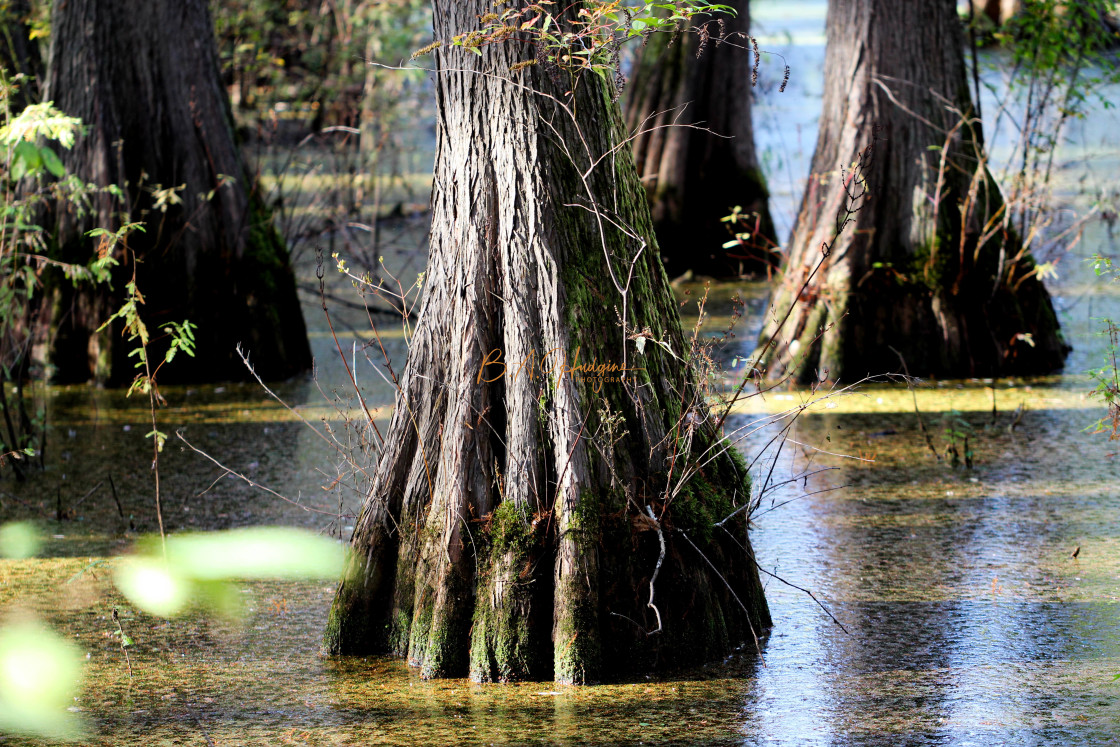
[928, 266]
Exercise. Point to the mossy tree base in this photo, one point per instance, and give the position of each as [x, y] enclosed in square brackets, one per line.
[143, 76]
[503, 536]
[926, 267]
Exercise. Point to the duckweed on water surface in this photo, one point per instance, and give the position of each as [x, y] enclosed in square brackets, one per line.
[968, 619]
[261, 680]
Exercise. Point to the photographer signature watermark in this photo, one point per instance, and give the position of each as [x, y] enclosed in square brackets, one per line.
[552, 363]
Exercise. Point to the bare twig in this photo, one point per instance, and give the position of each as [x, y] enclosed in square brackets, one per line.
[124, 641]
[116, 498]
[656, 570]
[89, 492]
[252, 483]
[331, 442]
[921, 422]
[778, 578]
[750, 623]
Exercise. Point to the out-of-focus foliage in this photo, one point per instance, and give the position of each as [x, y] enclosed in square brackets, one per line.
[1107, 378]
[198, 566]
[40, 671]
[291, 58]
[39, 674]
[19, 540]
[41, 121]
[38, 19]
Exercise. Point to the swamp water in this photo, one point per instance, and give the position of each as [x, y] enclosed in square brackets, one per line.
[965, 619]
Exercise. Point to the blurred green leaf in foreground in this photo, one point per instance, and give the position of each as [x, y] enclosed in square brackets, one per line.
[39, 673]
[199, 566]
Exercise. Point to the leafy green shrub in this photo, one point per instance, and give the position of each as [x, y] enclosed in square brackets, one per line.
[31, 173]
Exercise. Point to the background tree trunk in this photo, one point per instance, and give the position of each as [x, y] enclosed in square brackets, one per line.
[504, 534]
[928, 265]
[998, 12]
[695, 177]
[143, 76]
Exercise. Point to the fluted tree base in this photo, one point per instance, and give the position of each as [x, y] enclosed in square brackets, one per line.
[506, 535]
[903, 244]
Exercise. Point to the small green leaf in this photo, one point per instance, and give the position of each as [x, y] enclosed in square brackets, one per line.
[19, 540]
[52, 162]
[25, 160]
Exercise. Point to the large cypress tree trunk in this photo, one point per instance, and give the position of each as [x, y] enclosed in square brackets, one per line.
[506, 534]
[929, 265]
[143, 76]
[695, 177]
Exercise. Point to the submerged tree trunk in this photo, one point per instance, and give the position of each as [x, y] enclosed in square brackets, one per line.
[143, 76]
[507, 533]
[929, 265]
[695, 177]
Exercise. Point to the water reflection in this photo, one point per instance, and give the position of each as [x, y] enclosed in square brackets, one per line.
[968, 620]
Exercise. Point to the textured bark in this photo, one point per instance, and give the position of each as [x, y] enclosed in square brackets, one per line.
[19, 53]
[695, 177]
[502, 538]
[143, 76]
[910, 272]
